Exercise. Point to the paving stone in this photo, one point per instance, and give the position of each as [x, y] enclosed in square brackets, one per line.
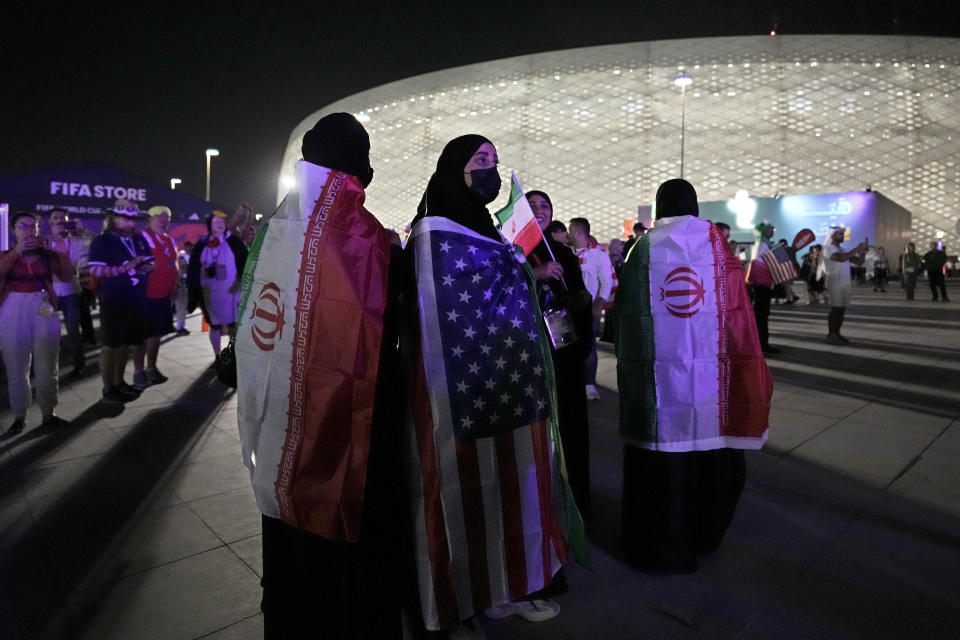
[181, 600]
[232, 515]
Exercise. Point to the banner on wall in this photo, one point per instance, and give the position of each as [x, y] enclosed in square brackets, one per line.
[86, 190]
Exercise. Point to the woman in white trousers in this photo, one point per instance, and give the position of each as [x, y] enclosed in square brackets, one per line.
[29, 320]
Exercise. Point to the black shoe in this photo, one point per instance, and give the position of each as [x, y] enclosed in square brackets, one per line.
[54, 422]
[128, 389]
[183, 332]
[17, 427]
[155, 377]
[768, 349]
[112, 396]
[116, 395]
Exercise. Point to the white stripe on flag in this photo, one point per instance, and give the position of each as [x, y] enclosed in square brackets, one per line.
[533, 535]
[264, 377]
[489, 465]
[435, 373]
[686, 369]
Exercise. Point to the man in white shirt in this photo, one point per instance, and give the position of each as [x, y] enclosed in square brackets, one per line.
[839, 283]
[598, 278]
[63, 240]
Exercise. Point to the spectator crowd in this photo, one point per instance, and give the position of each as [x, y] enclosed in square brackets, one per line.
[448, 381]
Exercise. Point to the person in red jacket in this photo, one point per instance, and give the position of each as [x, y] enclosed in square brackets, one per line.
[161, 288]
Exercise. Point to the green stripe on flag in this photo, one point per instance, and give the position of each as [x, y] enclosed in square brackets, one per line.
[635, 349]
[250, 268]
[515, 194]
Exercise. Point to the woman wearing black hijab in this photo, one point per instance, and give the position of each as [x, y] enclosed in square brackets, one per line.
[559, 278]
[322, 586]
[465, 182]
[488, 529]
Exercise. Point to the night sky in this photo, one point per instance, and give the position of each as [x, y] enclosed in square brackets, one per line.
[148, 88]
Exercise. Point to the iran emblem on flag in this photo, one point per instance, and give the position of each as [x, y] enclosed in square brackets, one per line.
[517, 223]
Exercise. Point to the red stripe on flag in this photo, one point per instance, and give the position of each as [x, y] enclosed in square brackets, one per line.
[779, 271]
[471, 494]
[293, 438]
[444, 590]
[749, 380]
[512, 516]
[529, 237]
[722, 286]
[552, 538]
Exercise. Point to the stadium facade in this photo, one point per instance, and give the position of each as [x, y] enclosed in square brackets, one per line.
[599, 128]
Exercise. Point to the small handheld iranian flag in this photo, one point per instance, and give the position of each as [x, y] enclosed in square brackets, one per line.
[517, 223]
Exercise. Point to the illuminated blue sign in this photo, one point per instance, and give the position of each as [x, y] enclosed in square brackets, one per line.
[856, 211]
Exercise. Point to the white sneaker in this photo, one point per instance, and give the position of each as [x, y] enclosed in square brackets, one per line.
[592, 393]
[532, 610]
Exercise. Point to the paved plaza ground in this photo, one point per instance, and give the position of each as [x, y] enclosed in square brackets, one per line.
[138, 522]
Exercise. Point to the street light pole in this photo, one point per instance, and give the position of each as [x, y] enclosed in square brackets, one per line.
[210, 153]
[174, 182]
[683, 81]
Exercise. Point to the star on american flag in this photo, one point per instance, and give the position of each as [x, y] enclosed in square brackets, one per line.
[488, 325]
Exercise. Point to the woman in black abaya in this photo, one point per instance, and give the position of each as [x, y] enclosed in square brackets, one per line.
[559, 280]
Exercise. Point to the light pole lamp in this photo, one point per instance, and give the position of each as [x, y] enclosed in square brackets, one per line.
[210, 153]
[174, 182]
[683, 81]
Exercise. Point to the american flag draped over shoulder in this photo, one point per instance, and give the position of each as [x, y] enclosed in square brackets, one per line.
[780, 263]
[486, 337]
[491, 508]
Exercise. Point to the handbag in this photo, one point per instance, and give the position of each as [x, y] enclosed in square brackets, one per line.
[227, 363]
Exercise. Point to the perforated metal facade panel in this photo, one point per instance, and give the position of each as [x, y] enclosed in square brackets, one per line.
[599, 128]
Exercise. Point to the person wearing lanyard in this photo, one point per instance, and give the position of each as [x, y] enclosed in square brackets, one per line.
[31, 324]
[120, 260]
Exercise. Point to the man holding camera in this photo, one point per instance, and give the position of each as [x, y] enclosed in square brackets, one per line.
[120, 260]
[65, 240]
[161, 288]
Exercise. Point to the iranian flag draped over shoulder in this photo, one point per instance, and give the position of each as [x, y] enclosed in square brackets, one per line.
[308, 348]
[492, 511]
[691, 373]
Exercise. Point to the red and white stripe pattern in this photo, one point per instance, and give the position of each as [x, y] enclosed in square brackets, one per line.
[484, 521]
[613, 290]
[780, 264]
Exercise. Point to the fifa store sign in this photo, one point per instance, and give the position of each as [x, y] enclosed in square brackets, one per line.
[81, 189]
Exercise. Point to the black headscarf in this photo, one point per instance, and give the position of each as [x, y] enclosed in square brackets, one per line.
[542, 195]
[676, 197]
[447, 194]
[338, 141]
